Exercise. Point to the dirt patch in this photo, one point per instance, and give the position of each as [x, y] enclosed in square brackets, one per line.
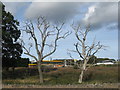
[104, 85]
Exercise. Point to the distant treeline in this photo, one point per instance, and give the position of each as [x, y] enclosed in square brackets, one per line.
[94, 59]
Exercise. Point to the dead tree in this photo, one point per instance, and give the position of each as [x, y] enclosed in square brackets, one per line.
[45, 31]
[85, 51]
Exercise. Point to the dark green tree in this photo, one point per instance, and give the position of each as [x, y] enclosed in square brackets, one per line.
[11, 49]
[23, 62]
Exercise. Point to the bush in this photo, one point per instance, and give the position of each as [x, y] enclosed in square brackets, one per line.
[87, 76]
[75, 67]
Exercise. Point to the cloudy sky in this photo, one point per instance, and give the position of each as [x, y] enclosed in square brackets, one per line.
[102, 16]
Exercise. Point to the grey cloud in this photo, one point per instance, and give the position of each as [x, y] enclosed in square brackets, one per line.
[14, 7]
[113, 26]
[102, 15]
[54, 11]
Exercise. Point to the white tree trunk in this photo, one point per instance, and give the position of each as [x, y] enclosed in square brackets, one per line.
[65, 63]
[81, 77]
[40, 72]
[82, 72]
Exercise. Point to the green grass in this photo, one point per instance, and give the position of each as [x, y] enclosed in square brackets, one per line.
[62, 76]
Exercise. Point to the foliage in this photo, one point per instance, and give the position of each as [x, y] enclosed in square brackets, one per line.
[92, 60]
[10, 33]
[23, 62]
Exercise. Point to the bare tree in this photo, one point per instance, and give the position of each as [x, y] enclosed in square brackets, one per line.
[45, 31]
[85, 51]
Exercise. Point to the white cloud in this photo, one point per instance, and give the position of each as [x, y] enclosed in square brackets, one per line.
[91, 10]
[102, 14]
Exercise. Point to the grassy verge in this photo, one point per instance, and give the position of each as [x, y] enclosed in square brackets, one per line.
[61, 76]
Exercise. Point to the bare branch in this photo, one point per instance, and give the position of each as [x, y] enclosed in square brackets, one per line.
[43, 26]
[30, 30]
[76, 46]
[27, 51]
[57, 38]
[97, 50]
[40, 24]
[65, 35]
[70, 55]
[59, 28]
[72, 51]
[30, 44]
[49, 45]
[39, 45]
[86, 31]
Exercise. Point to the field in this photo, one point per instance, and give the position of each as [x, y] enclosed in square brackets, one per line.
[97, 76]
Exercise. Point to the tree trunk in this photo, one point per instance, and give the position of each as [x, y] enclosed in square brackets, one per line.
[81, 77]
[82, 72]
[85, 61]
[40, 73]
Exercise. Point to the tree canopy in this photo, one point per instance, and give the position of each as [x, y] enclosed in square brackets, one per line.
[11, 49]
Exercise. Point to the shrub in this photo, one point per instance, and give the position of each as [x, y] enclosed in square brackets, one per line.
[87, 76]
[75, 67]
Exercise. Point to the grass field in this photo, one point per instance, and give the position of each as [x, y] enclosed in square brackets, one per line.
[61, 76]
